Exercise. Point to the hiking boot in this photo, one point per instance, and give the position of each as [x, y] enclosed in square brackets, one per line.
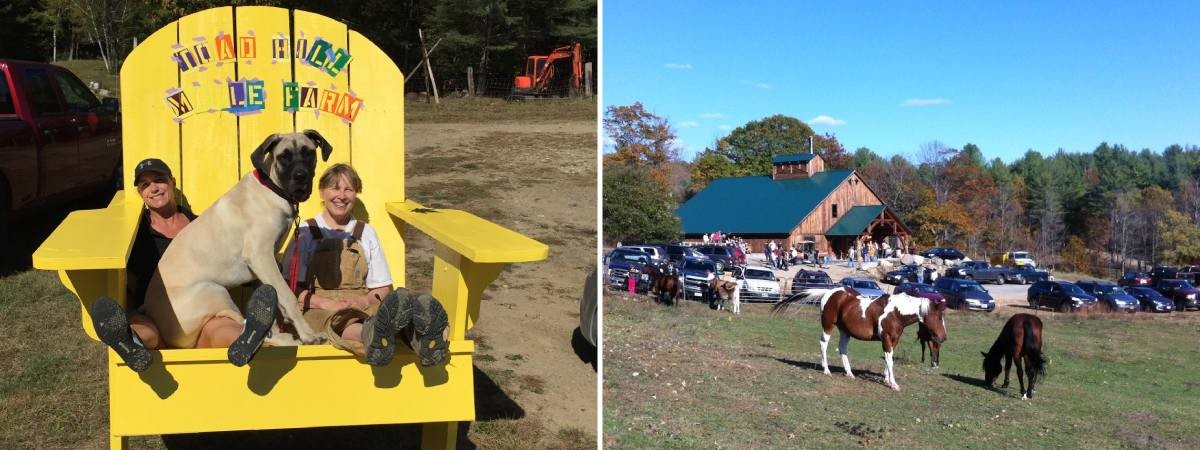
[112, 326]
[379, 330]
[428, 333]
[260, 315]
[405, 306]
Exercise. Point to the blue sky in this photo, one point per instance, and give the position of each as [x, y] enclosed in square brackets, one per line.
[891, 76]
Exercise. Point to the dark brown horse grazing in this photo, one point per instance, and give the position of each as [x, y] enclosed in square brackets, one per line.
[1020, 340]
[859, 317]
[925, 338]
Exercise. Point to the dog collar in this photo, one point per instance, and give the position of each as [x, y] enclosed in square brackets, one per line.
[266, 182]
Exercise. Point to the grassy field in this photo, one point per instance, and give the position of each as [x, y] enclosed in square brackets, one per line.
[93, 70]
[484, 109]
[692, 377]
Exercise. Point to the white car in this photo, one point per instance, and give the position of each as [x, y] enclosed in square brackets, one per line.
[759, 283]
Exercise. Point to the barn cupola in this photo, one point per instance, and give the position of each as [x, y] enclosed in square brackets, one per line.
[796, 165]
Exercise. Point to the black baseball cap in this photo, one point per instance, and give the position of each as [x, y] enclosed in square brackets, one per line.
[151, 164]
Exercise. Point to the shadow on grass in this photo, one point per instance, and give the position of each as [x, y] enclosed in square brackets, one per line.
[491, 403]
[836, 370]
[977, 382]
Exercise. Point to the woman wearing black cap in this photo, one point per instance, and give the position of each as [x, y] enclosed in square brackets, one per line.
[161, 220]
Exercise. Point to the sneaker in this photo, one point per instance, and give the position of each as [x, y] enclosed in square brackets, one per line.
[428, 334]
[260, 315]
[379, 330]
[112, 326]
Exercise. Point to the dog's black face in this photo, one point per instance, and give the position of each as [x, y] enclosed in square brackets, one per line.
[291, 160]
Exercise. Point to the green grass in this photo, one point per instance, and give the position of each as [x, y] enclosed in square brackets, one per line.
[485, 109]
[93, 70]
[705, 380]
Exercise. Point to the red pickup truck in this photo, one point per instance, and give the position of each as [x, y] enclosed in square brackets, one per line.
[57, 140]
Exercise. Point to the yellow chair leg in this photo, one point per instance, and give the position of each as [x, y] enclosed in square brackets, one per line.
[439, 435]
[118, 442]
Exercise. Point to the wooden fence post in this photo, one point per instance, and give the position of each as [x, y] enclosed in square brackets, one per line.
[470, 82]
[587, 80]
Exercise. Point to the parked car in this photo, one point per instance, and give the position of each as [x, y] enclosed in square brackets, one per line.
[920, 290]
[811, 279]
[697, 273]
[720, 254]
[1150, 300]
[1163, 273]
[1134, 279]
[910, 273]
[678, 253]
[1111, 296]
[58, 142]
[964, 293]
[864, 286]
[1059, 295]
[1181, 292]
[1190, 274]
[759, 283]
[656, 253]
[1031, 274]
[620, 261]
[944, 253]
[982, 271]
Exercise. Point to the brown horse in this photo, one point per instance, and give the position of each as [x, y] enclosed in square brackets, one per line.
[859, 317]
[925, 338]
[665, 285]
[1020, 340]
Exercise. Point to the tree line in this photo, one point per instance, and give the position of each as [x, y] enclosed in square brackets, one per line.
[492, 36]
[1109, 209]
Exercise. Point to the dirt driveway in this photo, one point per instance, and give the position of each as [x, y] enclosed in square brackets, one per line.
[539, 180]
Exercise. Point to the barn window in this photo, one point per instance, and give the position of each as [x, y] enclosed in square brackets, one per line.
[835, 210]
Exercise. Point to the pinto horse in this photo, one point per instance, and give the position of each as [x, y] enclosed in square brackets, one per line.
[1021, 339]
[859, 317]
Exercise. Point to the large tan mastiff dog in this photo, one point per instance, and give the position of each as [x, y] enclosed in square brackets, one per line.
[234, 242]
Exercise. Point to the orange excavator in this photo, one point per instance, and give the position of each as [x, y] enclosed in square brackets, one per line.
[556, 74]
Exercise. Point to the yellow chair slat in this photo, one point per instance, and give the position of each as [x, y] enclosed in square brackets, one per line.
[151, 77]
[470, 236]
[273, 66]
[209, 138]
[309, 30]
[378, 136]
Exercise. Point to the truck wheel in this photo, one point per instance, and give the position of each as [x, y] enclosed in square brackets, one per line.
[1002, 280]
[1034, 304]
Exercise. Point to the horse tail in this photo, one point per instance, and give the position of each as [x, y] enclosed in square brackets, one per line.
[805, 296]
[1033, 350]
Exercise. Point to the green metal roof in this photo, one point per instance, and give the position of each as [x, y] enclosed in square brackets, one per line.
[754, 205]
[793, 157]
[855, 220]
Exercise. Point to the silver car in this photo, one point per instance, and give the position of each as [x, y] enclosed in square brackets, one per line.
[864, 286]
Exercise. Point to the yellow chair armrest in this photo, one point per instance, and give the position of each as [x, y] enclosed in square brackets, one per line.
[468, 235]
[470, 254]
[91, 239]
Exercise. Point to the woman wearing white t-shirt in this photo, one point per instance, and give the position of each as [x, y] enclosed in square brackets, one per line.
[344, 285]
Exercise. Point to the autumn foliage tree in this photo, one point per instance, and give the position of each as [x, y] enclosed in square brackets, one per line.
[641, 140]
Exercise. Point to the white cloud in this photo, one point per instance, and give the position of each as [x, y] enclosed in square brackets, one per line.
[725, 127]
[687, 66]
[762, 85]
[712, 116]
[826, 120]
[689, 124]
[925, 102]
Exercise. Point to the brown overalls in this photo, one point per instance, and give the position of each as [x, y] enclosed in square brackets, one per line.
[337, 270]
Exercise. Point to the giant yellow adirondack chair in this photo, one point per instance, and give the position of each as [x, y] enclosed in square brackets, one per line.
[201, 94]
